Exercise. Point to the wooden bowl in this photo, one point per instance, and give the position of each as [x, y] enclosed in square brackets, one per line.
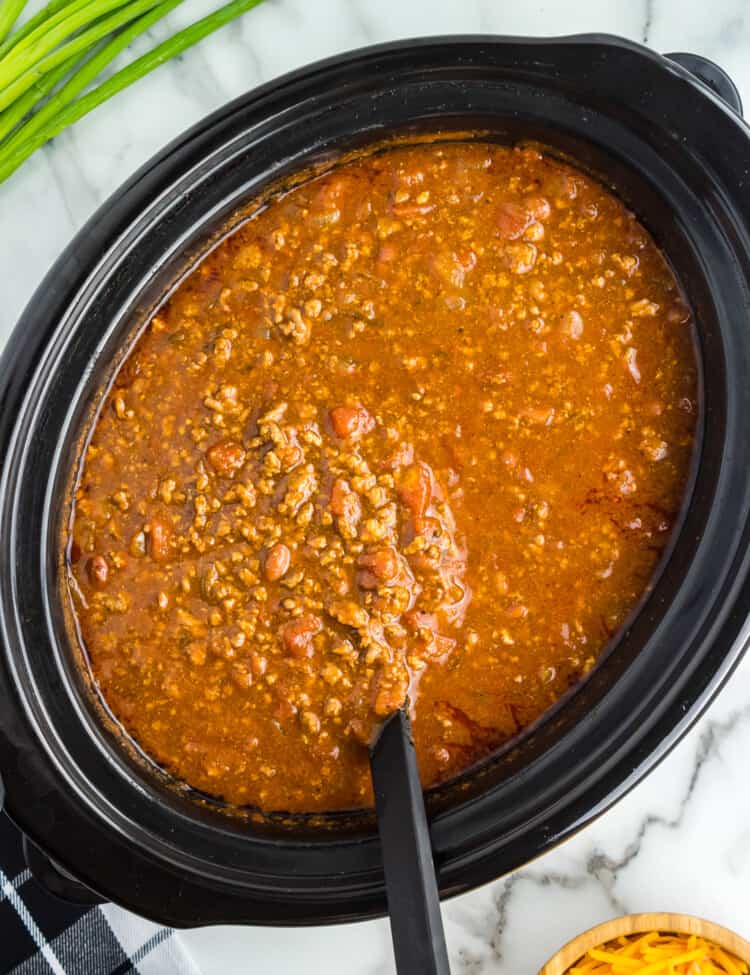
[574, 950]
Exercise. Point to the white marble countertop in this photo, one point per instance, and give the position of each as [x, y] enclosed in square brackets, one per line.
[681, 840]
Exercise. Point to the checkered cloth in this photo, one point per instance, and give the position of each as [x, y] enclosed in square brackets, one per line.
[41, 935]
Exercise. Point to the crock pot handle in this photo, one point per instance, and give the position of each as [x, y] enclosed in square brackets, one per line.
[710, 74]
[54, 879]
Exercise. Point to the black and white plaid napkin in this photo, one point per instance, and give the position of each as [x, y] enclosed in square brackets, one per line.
[42, 935]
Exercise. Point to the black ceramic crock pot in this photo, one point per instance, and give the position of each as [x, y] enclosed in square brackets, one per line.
[679, 155]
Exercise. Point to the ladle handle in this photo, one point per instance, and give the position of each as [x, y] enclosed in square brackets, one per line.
[413, 899]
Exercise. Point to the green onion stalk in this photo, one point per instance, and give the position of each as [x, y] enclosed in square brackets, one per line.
[48, 65]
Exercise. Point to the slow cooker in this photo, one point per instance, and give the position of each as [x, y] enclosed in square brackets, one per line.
[665, 133]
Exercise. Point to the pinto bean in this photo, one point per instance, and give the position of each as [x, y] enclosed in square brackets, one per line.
[98, 571]
[278, 560]
[159, 540]
[453, 266]
[521, 257]
[539, 207]
[512, 219]
[408, 211]
[572, 324]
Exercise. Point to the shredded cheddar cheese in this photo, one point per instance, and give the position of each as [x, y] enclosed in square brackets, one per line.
[659, 954]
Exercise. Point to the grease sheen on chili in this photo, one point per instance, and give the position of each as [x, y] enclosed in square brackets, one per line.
[419, 428]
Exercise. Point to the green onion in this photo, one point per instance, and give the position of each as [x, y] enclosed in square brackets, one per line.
[45, 38]
[14, 82]
[43, 16]
[83, 78]
[9, 13]
[15, 113]
[47, 65]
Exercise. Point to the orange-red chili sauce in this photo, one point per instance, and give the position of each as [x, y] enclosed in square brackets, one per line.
[418, 428]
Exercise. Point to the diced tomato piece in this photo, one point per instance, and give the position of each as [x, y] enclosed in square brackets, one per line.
[415, 490]
[384, 564]
[226, 457]
[297, 635]
[351, 421]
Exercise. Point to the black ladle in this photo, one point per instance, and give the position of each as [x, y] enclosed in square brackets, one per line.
[413, 900]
